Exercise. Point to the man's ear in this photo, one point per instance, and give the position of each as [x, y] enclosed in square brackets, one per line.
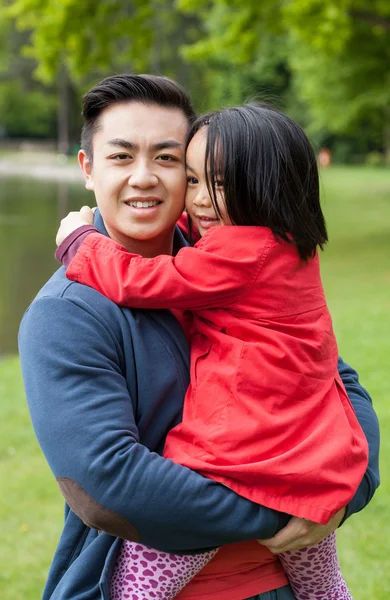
[86, 167]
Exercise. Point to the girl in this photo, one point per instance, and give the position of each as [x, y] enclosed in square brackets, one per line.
[265, 413]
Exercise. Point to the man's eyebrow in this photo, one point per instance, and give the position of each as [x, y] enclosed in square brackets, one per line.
[123, 144]
[167, 144]
[132, 146]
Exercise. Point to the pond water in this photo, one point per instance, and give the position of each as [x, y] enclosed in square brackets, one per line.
[30, 211]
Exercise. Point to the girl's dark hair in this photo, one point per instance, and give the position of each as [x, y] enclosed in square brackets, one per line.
[269, 173]
[118, 89]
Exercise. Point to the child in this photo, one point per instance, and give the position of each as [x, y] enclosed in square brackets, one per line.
[265, 413]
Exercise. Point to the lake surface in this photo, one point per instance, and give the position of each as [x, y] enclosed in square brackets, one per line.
[30, 212]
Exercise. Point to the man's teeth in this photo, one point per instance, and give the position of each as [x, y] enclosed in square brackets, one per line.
[138, 204]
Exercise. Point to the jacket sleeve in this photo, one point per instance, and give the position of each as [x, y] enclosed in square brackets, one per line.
[213, 274]
[83, 418]
[362, 404]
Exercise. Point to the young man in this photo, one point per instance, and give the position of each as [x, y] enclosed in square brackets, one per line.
[105, 384]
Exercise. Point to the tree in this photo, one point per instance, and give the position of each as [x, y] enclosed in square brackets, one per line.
[89, 37]
[328, 59]
[74, 43]
[343, 70]
[85, 35]
[338, 52]
[64, 42]
[27, 108]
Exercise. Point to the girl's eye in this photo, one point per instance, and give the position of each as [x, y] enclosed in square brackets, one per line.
[192, 180]
[219, 183]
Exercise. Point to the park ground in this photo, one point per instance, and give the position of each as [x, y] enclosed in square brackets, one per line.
[356, 273]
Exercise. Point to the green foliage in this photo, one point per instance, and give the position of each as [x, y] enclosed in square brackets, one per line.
[26, 115]
[91, 39]
[240, 50]
[340, 60]
[338, 52]
[232, 31]
[347, 90]
[328, 25]
[326, 61]
[265, 78]
[324, 25]
[27, 109]
[85, 35]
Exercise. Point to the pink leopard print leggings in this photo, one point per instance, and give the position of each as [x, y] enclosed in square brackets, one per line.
[314, 573]
[142, 573]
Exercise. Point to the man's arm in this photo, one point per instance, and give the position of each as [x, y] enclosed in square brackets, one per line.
[365, 413]
[300, 533]
[83, 418]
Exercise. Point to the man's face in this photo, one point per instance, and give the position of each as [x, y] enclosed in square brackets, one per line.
[137, 173]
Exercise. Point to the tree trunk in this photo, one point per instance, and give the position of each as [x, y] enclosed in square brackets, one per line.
[63, 111]
[371, 18]
[386, 137]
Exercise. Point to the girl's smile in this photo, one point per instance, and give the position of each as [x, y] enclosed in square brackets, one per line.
[203, 222]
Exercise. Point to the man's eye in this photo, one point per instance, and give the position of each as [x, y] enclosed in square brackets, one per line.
[167, 158]
[192, 180]
[120, 157]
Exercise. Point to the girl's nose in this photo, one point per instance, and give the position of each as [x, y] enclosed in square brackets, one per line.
[202, 198]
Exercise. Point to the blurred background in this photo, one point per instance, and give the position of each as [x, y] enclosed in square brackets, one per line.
[326, 63]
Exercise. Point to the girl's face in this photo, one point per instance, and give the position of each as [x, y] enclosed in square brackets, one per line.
[198, 201]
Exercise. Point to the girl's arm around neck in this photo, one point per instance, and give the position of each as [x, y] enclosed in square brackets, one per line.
[213, 274]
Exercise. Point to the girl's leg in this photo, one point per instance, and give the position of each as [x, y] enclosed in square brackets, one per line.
[142, 572]
[314, 573]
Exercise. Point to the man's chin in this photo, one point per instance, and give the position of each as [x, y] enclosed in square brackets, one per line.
[146, 234]
[145, 240]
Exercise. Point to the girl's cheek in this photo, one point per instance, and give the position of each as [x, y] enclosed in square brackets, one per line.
[189, 201]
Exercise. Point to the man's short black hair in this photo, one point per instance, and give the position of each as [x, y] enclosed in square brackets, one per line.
[119, 89]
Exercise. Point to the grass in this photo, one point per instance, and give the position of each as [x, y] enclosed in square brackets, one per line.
[31, 508]
[356, 273]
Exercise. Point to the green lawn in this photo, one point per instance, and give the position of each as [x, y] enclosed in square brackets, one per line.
[31, 508]
[356, 272]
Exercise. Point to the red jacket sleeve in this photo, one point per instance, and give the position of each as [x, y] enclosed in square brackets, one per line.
[212, 274]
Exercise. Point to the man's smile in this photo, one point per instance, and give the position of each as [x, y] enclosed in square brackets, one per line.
[143, 203]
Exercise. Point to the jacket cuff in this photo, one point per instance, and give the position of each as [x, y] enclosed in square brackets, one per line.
[67, 250]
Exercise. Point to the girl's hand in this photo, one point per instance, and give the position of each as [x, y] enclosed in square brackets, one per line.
[73, 221]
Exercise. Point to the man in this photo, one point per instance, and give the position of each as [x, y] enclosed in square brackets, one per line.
[105, 384]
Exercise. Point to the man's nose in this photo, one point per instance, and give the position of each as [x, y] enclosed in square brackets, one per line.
[142, 176]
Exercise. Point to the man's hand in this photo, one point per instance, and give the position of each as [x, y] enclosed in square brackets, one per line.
[73, 221]
[300, 533]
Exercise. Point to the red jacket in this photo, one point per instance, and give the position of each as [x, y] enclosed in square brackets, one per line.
[265, 412]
